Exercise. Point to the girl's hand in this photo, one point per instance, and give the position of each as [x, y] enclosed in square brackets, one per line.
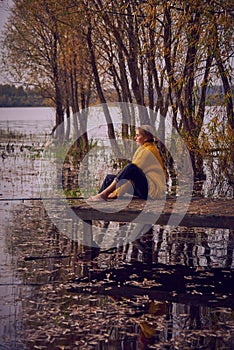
[112, 195]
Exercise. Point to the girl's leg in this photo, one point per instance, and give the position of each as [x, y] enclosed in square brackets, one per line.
[138, 179]
[107, 181]
[132, 173]
[105, 193]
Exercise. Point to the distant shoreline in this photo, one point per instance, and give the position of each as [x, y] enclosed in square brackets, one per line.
[36, 106]
[26, 106]
[12, 96]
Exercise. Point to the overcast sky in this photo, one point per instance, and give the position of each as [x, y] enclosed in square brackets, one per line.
[4, 12]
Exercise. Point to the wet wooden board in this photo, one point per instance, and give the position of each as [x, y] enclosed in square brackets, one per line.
[200, 212]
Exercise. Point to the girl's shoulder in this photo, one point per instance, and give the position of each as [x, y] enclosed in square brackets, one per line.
[150, 146]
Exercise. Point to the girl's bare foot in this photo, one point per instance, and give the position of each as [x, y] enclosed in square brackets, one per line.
[97, 198]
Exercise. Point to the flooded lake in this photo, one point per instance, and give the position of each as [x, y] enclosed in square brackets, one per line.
[170, 289]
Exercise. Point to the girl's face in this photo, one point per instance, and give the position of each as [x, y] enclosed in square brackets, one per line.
[140, 140]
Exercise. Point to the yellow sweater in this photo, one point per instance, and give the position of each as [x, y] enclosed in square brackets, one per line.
[149, 160]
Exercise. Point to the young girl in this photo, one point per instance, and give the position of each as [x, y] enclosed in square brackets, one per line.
[144, 177]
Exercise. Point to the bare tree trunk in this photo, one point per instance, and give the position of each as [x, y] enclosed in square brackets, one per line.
[68, 120]
[111, 132]
[227, 88]
[59, 114]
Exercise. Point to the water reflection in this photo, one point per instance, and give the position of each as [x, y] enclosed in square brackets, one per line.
[170, 289]
[138, 296]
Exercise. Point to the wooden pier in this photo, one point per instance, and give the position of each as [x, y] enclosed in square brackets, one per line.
[200, 212]
[202, 285]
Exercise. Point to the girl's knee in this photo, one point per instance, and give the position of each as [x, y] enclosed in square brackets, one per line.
[131, 166]
[109, 177]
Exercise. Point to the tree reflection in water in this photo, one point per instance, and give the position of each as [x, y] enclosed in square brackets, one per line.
[170, 289]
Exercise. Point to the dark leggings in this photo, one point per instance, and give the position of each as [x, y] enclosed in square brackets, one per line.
[132, 173]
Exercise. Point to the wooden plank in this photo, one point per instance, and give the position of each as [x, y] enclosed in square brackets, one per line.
[202, 212]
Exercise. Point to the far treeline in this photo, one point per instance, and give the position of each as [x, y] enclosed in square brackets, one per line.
[165, 55]
[12, 96]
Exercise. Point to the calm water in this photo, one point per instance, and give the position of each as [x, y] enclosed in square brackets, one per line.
[34, 121]
[172, 289]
